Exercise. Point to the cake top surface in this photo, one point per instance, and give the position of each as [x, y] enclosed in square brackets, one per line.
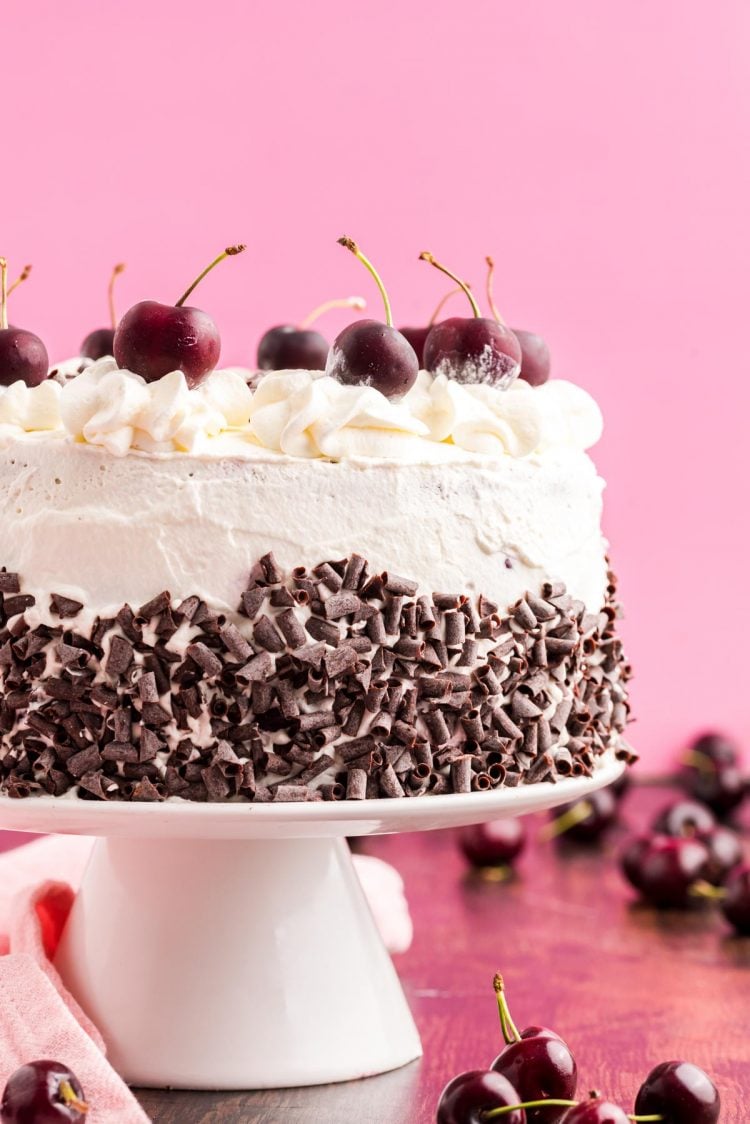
[296, 414]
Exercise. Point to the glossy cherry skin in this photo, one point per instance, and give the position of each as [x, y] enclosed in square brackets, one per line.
[604, 810]
[153, 339]
[286, 348]
[681, 1092]
[665, 869]
[595, 1111]
[466, 1098]
[22, 356]
[474, 350]
[535, 357]
[32, 1095]
[417, 338]
[368, 353]
[496, 843]
[736, 904]
[99, 343]
[684, 817]
[539, 1065]
[718, 747]
[724, 852]
[722, 787]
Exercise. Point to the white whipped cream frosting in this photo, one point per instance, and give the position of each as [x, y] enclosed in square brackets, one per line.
[302, 414]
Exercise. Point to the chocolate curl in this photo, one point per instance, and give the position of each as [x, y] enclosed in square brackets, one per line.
[330, 578]
[9, 583]
[356, 784]
[354, 719]
[204, 658]
[287, 793]
[461, 774]
[392, 615]
[469, 653]
[155, 606]
[375, 629]
[63, 607]
[334, 791]
[436, 727]
[281, 598]
[256, 670]
[339, 661]
[354, 573]
[267, 636]
[325, 631]
[455, 629]
[252, 599]
[269, 569]
[523, 616]
[290, 627]
[409, 649]
[395, 584]
[425, 613]
[313, 721]
[481, 782]
[472, 724]
[235, 643]
[523, 708]
[120, 657]
[390, 785]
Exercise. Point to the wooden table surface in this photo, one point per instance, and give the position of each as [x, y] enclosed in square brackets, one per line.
[625, 986]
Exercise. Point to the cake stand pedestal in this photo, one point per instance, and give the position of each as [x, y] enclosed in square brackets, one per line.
[230, 946]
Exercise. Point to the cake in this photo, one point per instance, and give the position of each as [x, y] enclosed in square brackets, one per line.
[288, 588]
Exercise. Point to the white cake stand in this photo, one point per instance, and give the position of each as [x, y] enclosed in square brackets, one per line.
[229, 946]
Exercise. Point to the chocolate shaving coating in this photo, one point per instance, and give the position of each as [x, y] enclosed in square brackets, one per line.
[328, 683]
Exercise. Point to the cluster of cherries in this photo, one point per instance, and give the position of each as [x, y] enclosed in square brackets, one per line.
[43, 1092]
[688, 857]
[152, 339]
[533, 1080]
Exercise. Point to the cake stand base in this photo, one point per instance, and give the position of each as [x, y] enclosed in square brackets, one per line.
[234, 964]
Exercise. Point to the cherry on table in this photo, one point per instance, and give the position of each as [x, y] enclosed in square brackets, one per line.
[721, 786]
[153, 339]
[370, 353]
[736, 902]
[292, 347]
[470, 1097]
[536, 1061]
[101, 341]
[585, 821]
[471, 350]
[684, 817]
[717, 747]
[43, 1092]
[681, 1093]
[494, 844]
[23, 356]
[595, 1111]
[724, 852]
[665, 869]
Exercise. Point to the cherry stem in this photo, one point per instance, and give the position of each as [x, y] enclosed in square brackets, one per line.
[439, 308]
[341, 302]
[20, 279]
[700, 761]
[426, 256]
[118, 269]
[228, 253]
[504, 1110]
[574, 815]
[352, 246]
[490, 293]
[3, 293]
[703, 889]
[508, 1027]
[68, 1094]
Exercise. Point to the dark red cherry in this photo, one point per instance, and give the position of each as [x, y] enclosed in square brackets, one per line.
[153, 339]
[536, 1061]
[684, 817]
[665, 869]
[101, 341]
[722, 787]
[539, 1065]
[717, 747]
[287, 348]
[417, 337]
[595, 1111]
[496, 843]
[586, 820]
[736, 903]
[536, 361]
[471, 350]
[43, 1092]
[370, 353]
[470, 1096]
[296, 347]
[724, 852]
[23, 356]
[680, 1093]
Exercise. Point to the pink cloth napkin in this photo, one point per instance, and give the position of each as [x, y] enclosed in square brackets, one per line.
[40, 1019]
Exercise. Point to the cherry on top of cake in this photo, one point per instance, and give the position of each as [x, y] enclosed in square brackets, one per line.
[155, 339]
[23, 356]
[101, 342]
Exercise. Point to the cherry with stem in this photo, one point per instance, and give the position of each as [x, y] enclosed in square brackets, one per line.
[101, 341]
[418, 336]
[23, 356]
[535, 356]
[291, 347]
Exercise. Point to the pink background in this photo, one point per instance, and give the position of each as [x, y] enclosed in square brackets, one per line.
[599, 151]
